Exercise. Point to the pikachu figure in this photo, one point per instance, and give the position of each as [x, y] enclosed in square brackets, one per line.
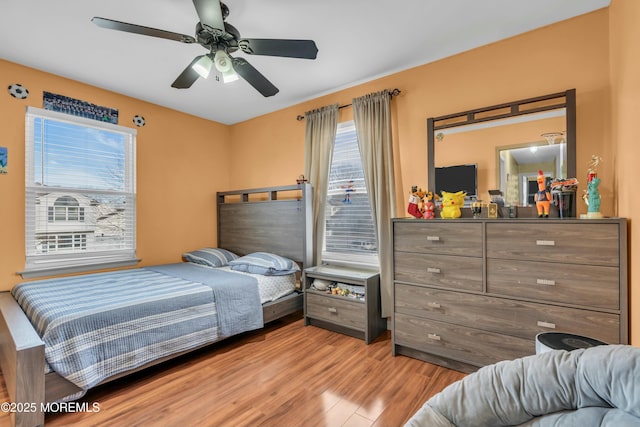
[451, 204]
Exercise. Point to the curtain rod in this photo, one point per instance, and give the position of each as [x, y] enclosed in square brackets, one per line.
[394, 92]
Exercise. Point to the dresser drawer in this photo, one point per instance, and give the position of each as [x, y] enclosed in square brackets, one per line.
[438, 237]
[503, 315]
[454, 307]
[461, 343]
[332, 309]
[593, 286]
[447, 271]
[590, 244]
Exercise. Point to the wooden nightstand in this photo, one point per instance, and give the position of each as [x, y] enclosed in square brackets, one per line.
[356, 314]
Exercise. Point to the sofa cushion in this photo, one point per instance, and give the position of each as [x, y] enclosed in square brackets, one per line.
[585, 417]
[598, 386]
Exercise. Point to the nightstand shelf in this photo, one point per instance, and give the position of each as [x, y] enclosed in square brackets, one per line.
[355, 316]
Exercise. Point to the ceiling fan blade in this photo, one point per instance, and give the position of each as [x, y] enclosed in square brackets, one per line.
[210, 13]
[253, 77]
[188, 76]
[306, 49]
[139, 29]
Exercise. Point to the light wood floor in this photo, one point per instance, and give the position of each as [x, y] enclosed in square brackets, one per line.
[284, 375]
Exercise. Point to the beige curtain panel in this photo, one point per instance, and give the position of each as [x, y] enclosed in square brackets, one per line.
[320, 135]
[372, 116]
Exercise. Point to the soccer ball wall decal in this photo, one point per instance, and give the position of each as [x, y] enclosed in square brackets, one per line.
[138, 121]
[18, 91]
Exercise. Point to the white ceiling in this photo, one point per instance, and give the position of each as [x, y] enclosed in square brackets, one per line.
[358, 41]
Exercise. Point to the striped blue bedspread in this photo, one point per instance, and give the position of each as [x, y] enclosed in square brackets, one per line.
[99, 325]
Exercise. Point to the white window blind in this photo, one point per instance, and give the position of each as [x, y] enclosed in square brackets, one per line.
[350, 236]
[80, 193]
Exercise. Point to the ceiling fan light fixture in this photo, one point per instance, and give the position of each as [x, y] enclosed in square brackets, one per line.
[203, 66]
[223, 61]
[229, 76]
[225, 67]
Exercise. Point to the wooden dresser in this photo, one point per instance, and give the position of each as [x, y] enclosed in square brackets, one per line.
[471, 292]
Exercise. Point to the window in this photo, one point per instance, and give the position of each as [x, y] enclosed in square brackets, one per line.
[66, 208]
[80, 194]
[61, 242]
[350, 235]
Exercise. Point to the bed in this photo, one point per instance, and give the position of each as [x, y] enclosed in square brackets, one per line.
[193, 303]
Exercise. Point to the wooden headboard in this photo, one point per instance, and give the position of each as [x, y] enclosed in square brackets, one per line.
[272, 219]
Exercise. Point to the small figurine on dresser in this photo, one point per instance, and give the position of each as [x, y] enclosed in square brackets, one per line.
[429, 205]
[451, 204]
[592, 194]
[594, 198]
[542, 197]
[414, 202]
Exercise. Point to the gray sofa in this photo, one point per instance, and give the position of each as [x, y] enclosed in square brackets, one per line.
[598, 386]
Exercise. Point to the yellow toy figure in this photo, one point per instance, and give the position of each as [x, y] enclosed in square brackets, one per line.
[542, 197]
[451, 204]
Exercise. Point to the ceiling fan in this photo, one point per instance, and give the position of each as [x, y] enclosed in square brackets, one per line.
[220, 39]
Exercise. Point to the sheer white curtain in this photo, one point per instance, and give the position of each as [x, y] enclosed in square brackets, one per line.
[320, 135]
[372, 116]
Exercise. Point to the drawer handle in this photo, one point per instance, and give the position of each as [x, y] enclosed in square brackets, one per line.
[545, 242]
[433, 238]
[546, 325]
[433, 305]
[333, 310]
[434, 337]
[433, 270]
[545, 282]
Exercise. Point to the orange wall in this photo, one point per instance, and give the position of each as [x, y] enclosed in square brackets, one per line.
[179, 169]
[516, 68]
[625, 88]
[571, 54]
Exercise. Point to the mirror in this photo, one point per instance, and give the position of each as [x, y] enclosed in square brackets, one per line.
[509, 143]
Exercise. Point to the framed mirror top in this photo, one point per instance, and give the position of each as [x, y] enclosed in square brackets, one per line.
[507, 143]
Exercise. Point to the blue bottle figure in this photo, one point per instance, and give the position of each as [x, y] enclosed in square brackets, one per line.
[592, 196]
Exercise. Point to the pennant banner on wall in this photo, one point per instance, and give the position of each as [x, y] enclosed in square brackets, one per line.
[76, 107]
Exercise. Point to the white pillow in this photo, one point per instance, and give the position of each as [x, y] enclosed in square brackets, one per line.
[264, 263]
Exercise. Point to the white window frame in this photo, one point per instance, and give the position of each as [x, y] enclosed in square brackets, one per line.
[356, 258]
[78, 258]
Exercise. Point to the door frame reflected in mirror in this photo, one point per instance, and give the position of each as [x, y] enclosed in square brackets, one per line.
[527, 159]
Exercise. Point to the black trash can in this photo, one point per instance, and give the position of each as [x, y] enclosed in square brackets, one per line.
[547, 341]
